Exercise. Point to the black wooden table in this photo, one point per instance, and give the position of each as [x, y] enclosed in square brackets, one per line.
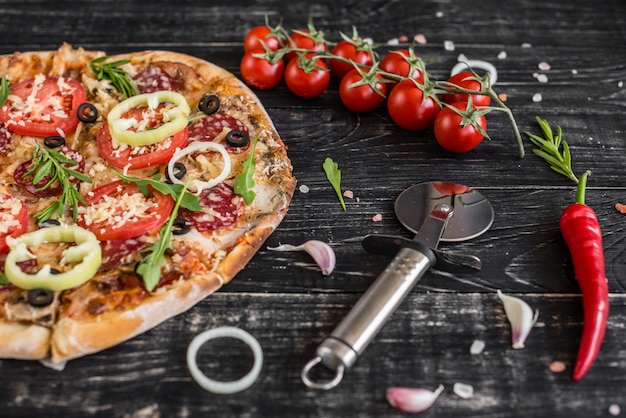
[284, 301]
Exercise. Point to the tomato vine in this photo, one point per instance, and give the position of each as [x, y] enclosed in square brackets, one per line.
[371, 80]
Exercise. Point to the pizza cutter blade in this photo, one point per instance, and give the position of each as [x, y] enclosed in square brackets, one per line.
[435, 211]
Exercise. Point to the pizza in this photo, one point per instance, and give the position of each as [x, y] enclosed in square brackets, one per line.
[131, 188]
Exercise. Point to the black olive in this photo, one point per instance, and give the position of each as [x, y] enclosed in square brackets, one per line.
[48, 223]
[40, 297]
[181, 226]
[237, 138]
[54, 141]
[87, 113]
[179, 171]
[209, 104]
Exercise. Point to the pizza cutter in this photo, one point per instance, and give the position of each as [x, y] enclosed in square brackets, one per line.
[434, 211]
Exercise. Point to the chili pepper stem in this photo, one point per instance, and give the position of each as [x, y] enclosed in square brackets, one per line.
[582, 187]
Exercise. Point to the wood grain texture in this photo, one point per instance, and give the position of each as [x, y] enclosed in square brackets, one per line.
[282, 298]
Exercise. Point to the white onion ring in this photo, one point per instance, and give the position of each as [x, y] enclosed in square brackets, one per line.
[471, 64]
[198, 185]
[224, 388]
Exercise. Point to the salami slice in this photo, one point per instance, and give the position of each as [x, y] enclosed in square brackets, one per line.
[154, 78]
[114, 251]
[221, 208]
[209, 127]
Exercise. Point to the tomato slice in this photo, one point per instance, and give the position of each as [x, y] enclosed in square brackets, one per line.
[13, 219]
[117, 211]
[135, 158]
[41, 106]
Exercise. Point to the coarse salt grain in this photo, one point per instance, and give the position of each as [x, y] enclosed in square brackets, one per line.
[544, 66]
[463, 390]
[557, 367]
[620, 84]
[462, 58]
[349, 194]
[537, 97]
[614, 409]
[377, 218]
[393, 41]
[477, 347]
[574, 71]
[439, 14]
[542, 78]
[448, 45]
[304, 188]
[527, 45]
[502, 55]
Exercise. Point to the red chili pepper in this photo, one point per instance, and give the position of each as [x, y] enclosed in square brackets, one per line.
[583, 236]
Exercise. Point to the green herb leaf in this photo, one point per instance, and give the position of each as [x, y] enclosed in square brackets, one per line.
[50, 162]
[177, 191]
[110, 71]
[245, 180]
[549, 148]
[5, 90]
[149, 268]
[3, 279]
[333, 174]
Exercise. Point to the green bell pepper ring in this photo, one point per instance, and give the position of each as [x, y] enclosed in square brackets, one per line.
[87, 255]
[174, 118]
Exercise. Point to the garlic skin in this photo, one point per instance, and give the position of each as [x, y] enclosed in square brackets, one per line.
[412, 399]
[321, 252]
[520, 316]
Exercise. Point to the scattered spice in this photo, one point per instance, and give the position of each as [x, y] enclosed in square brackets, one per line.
[557, 367]
[503, 97]
[420, 39]
[377, 218]
[348, 194]
[621, 208]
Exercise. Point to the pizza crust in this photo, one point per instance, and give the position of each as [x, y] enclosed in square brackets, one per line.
[75, 336]
[23, 341]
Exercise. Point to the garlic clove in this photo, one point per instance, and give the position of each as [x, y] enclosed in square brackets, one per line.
[520, 316]
[321, 252]
[412, 399]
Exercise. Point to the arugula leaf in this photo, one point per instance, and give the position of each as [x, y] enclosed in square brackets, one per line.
[177, 191]
[149, 268]
[244, 182]
[333, 174]
[5, 90]
[111, 71]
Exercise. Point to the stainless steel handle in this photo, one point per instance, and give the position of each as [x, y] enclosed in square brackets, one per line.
[349, 339]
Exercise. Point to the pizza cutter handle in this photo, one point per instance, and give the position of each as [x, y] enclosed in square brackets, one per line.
[340, 350]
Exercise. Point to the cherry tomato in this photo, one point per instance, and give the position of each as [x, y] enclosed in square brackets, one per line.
[305, 39]
[307, 84]
[408, 108]
[56, 101]
[351, 51]
[135, 158]
[259, 72]
[361, 98]
[395, 62]
[452, 136]
[252, 41]
[118, 225]
[466, 80]
[13, 218]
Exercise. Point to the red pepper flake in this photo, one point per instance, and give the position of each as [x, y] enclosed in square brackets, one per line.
[621, 208]
[557, 367]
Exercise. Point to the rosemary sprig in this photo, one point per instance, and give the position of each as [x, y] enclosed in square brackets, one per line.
[111, 71]
[550, 149]
[5, 90]
[51, 163]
